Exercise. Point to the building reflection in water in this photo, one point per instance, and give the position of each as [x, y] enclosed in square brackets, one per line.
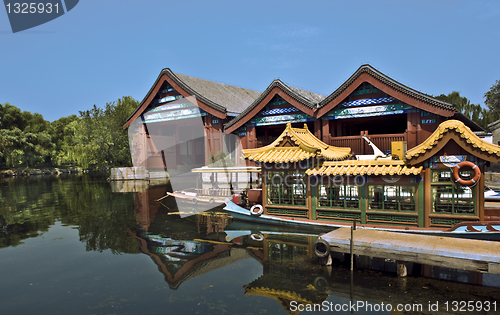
[185, 248]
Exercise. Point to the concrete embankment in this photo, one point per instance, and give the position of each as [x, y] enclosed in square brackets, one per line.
[136, 173]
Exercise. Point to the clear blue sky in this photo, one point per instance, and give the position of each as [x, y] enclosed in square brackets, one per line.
[105, 49]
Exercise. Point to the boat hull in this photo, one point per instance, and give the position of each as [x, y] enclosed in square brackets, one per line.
[477, 230]
[193, 199]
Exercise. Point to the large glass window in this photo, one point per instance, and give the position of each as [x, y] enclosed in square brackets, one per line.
[333, 195]
[451, 198]
[392, 197]
[286, 188]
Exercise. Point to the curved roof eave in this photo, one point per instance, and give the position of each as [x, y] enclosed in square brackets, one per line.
[166, 74]
[386, 83]
[295, 98]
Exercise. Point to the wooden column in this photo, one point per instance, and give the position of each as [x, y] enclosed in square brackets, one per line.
[413, 120]
[363, 201]
[317, 128]
[427, 197]
[421, 203]
[480, 195]
[251, 137]
[264, 192]
[208, 148]
[309, 200]
[325, 131]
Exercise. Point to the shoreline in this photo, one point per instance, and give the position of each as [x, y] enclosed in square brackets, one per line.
[23, 172]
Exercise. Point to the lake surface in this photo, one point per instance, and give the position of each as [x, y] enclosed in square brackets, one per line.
[72, 245]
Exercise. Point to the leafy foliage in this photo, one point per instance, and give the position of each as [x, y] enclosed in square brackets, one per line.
[98, 138]
[93, 140]
[474, 112]
[493, 98]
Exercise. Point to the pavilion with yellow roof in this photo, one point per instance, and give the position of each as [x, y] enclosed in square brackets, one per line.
[438, 183]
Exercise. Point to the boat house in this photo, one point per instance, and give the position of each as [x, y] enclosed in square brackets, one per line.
[179, 108]
[374, 150]
[435, 184]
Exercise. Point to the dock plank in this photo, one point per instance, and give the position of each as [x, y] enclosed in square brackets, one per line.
[457, 253]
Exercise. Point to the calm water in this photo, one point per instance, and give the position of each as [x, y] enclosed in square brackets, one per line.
[70, 245]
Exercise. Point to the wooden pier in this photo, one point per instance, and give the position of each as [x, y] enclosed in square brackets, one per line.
[449, 252]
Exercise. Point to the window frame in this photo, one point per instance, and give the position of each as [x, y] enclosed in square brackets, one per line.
[281, 190]
[399, 206]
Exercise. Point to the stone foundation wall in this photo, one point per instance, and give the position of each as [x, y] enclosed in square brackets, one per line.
[491, 177]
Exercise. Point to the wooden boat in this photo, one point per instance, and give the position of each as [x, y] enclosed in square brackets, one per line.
[476, 230]
[491, 194]
[194, 198]
[434, 188]
[211, 193]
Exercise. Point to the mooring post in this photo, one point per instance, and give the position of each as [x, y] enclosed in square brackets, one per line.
[402, 270]
[352, 244]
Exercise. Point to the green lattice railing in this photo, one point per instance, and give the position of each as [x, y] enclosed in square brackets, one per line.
[296, 212]
[448, 222]
[392, 218]
[338, 215]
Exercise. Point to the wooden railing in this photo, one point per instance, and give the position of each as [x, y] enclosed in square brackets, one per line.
[359, 146]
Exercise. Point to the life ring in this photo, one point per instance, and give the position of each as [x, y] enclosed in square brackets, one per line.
[471, 182]
[194, 201]
[321, 248]
[256, 210]
[257, 237]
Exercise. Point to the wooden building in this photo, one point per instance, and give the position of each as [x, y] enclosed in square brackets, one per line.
[179, 108]
[181, 120]
[305, 178]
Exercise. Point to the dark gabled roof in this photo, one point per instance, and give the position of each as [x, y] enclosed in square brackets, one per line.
[468, 122]
[219, 96]
[494, 125]
[390, 82]
[307, 98]
[234, 99]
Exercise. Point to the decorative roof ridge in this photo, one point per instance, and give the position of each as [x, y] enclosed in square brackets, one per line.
[289, 90]
[289, 131]
[366, 68]
[379, 162]
[304, 140]
[465, 133]
[361, 167]
[169, 73]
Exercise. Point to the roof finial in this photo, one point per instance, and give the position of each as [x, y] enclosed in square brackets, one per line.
[289, 124]
[305, 126]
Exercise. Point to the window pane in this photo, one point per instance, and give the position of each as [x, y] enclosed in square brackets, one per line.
[335, 195]
[452, 199]
[441, 176]
[286, 188]
[391, 197]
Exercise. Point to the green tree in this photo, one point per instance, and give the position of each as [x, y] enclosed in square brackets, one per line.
[11, 117]
[98, 139]
[493, 98]
[62, 137]
[474, 112]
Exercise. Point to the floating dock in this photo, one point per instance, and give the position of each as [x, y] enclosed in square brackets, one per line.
[449, 252]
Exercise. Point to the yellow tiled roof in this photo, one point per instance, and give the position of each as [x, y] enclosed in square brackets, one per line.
[365, 167]
[306, 146]
[466, 135]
